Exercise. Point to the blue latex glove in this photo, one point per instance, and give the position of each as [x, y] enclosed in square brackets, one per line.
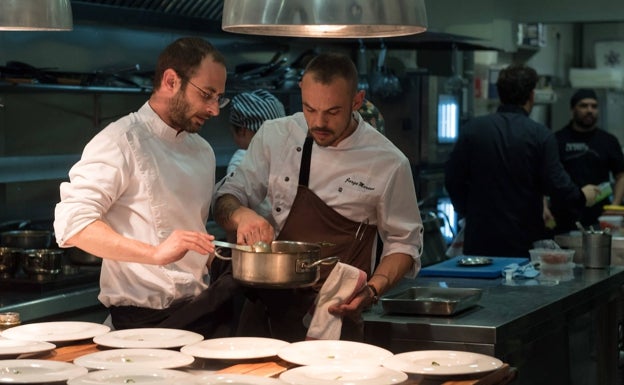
[514, 270]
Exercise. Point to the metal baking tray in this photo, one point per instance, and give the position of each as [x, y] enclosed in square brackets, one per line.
[431, 300]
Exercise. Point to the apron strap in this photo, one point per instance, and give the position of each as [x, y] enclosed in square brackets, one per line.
[304, 170]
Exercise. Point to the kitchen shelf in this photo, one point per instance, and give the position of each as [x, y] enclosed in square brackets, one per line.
[34, 168]
[38, 87]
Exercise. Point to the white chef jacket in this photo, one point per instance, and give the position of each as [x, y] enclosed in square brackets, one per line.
[364, 177]
[264, 208]
[145, 180]
[235, 159]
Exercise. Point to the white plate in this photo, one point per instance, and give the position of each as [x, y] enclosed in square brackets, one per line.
[56, 331]
[13, 348]
[148, 338]
[234, 348]
[134, 376]
[342, 375]
[134, 358]
[37, 371]
[236, 379]
[333, 352]
[442, 362]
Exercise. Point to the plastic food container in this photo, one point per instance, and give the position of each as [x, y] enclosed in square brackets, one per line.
[613, 222]
[553, 258]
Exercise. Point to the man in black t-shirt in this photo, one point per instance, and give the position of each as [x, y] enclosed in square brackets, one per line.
[590, 155]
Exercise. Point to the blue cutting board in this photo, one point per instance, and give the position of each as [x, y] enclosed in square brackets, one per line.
[450, 268]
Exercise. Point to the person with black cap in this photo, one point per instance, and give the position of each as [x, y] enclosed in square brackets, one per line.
[590, 155]
[248, 111]
[501, 167]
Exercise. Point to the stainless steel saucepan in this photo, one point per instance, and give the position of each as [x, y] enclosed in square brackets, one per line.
[288, 264]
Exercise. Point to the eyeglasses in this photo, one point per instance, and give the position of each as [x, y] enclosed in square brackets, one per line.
[210, 96]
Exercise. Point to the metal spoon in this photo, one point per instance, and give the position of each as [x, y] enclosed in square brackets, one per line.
[261, 247]
[258, 247]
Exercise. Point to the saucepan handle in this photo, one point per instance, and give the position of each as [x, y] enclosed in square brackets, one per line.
[322, 261]
[217, 249]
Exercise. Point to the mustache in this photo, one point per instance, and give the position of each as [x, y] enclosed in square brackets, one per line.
[321, 129]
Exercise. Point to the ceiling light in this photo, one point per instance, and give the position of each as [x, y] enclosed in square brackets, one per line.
[35, 15]
[325, 18]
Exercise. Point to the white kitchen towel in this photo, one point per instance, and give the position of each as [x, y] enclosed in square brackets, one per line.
[342, 284]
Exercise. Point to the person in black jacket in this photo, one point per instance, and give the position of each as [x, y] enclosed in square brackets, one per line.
[501, 167]
[590, 155]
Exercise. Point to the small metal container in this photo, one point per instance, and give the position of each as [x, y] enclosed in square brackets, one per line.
[596, 249]
[8, 320]
[9, 261]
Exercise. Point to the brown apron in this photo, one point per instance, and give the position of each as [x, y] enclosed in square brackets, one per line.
[311, 220]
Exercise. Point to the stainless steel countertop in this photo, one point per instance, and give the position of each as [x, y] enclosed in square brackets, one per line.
[37, 305]
[504, 311]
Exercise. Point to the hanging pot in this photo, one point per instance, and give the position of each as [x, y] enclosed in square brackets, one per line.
[383, 82]
[288, 265]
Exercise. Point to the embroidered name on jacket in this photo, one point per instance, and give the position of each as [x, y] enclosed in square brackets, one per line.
[358, 184]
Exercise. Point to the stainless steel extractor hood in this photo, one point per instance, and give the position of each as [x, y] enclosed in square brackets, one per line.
[35, 15]
[190, 15]
[207, 9]
[325, 18]
[205, 16]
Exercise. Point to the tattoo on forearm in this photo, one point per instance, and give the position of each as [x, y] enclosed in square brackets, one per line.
[224, 207]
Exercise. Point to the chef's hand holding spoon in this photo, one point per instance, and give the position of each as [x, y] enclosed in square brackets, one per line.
[119, 248]
[252, 228]
[179, 243]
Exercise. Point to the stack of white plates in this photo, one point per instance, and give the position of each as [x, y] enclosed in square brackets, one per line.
[334, 362]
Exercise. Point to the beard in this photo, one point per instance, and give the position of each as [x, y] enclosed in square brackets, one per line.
[325, 136]
[180, 116]
[586, 122]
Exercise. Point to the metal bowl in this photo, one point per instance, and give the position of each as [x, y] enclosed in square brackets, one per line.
[26, 239]
[9, 261]
[80, 257]
[44, 262]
